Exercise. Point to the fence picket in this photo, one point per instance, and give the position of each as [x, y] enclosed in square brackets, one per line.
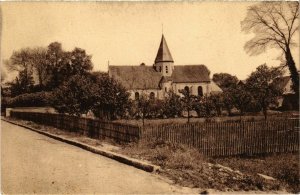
[212, 139]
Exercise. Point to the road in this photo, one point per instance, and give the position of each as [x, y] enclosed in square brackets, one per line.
[33, 163]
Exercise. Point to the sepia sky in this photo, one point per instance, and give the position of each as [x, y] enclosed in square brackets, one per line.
[129, 33]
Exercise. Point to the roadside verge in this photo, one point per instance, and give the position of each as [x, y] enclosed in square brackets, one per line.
[112, 155]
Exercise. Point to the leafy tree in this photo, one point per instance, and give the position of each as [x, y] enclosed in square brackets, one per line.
[204, 106]
[98, 92]
[110, 97]
[55, 56]
[228, 101]
[142, 105]
[188, 101]
[241, 99]
[260, 84]
[172, 105]
[62, 65]
[274, 25]
[218, 102]
[225, 80]
[75, 97]
[26, 81]
[156, 108]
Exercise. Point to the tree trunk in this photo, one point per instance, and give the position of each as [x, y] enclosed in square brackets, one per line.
[241, 114]
[143, 117]
[228, 110]
[265, 113]
[188, 115]
[219, 111]
[293, 70]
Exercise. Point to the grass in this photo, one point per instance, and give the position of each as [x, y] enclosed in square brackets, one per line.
[284, 167]
[187, 167]
[180, 120]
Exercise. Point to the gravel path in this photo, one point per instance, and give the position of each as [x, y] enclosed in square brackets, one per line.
[33, 163]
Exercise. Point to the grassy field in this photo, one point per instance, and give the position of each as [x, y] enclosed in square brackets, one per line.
[284, 167]
[188, 167]
[252, 117]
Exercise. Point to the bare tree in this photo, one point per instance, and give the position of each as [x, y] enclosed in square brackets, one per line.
[39, 63]
[274, 24]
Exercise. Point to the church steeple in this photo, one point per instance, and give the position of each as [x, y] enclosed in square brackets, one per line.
[164, 61]
[163, 53]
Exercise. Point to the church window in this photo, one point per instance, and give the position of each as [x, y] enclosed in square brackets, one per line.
[166, 69]
[200, 91]
[137, 95]
[159, 68]
[187, 89]
[152, 95]
[166, 89]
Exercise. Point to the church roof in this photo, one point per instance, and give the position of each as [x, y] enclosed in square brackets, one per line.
[136, 77]
[190, 74]
[163, 53]
[145, 77]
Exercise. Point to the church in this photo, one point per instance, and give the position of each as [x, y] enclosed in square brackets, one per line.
[163, 76]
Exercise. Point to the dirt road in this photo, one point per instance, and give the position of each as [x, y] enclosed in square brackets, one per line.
[33, 163]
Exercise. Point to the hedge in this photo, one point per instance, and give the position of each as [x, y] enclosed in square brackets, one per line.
[30, 99]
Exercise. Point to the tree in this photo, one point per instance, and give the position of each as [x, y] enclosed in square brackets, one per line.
[111, 99]
[262, 86]
[172, 105]
[188, 101]
[241, 99]
[227, 83]
[3, 73]
[204, 106]
[156, 108]
[274, 25]
[228, 101]
[218, 102]
[75, 97]
[21, 61]
[225, 80]
[62, 64]
[143, 104]
[40, 64]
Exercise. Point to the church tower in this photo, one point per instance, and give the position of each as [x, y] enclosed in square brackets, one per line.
[164, 62]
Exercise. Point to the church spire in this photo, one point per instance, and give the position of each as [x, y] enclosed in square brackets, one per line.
[163, 53]
[164, 61]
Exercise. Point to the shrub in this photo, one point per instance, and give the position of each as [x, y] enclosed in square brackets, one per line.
[167, 154]
[30, 99]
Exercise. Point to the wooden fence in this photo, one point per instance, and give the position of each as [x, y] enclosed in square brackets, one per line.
[90, 127]
[231, 138]
[212, 139]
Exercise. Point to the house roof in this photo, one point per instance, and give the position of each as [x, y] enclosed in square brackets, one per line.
[190, 74]
[241, 82]
[282, 81]
[145, 77]
[136, 77]
[163, 53]
[214, 88]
